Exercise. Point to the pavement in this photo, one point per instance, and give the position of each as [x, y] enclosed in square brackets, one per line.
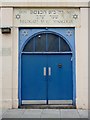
[45, 113]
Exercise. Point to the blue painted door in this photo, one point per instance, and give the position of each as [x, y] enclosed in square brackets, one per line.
[54, 84]
[33, 80]
[60, 83]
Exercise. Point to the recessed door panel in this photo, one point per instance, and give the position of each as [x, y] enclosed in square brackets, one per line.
[34, 79]
[60, 79]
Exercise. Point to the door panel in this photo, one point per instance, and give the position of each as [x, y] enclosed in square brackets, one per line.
[33, 78]
[60, 81]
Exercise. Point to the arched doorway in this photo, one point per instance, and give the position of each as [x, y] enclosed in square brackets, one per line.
[46, 70]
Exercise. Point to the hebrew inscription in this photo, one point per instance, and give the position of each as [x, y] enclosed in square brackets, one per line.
[39, 17]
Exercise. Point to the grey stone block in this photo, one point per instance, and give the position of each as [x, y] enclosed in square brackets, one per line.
[83, 113]
[50, 113]
[13, 113]
[69, 113]
[32, 113]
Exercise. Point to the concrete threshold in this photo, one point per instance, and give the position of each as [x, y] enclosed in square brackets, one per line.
[47, 107]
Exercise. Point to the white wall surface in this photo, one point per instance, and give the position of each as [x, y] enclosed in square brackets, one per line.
[46, 3]
[45, 0]
[7, 20]
[81, 39]
[0, 64]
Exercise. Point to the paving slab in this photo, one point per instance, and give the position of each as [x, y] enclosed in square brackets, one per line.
[83, 113]
[50, 113]
[13, 113]
[32, 113]
[0, 114]
[69, 113]
[89, 114]
[2, 111]
[45, 113]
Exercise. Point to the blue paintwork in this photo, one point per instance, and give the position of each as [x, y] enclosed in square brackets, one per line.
[36, 86]
[59, 31]
[33, 81]
[60, 83]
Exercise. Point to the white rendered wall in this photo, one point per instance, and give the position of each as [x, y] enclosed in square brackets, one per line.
[81, 38]
[45, 0]
[15, 67]
[0, 64]
[7, 21]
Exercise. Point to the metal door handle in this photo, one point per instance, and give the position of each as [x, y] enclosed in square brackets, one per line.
[49, 71]
[44, 71]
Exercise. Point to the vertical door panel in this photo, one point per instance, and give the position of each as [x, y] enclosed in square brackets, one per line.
[60, 82]
[34, 77]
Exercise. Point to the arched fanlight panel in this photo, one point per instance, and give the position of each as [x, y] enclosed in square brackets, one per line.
[46, 42]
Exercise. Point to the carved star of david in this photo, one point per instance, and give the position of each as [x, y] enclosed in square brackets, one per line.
[69, 33]
[75, 16]
[18, 16]
[24, 32]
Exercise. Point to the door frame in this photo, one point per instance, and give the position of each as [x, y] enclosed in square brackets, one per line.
[73, 60]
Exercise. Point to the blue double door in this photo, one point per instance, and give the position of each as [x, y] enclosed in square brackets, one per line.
[46, 79]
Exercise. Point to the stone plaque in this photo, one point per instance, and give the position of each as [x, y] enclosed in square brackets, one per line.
[46, 17]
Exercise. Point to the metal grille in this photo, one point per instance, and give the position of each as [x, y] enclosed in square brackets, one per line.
[53, 43]
[40, 43]
[64, 46]
[46, 42]
[29, 46]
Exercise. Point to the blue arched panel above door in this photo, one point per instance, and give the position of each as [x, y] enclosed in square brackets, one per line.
[66, 33]
[46, 42]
